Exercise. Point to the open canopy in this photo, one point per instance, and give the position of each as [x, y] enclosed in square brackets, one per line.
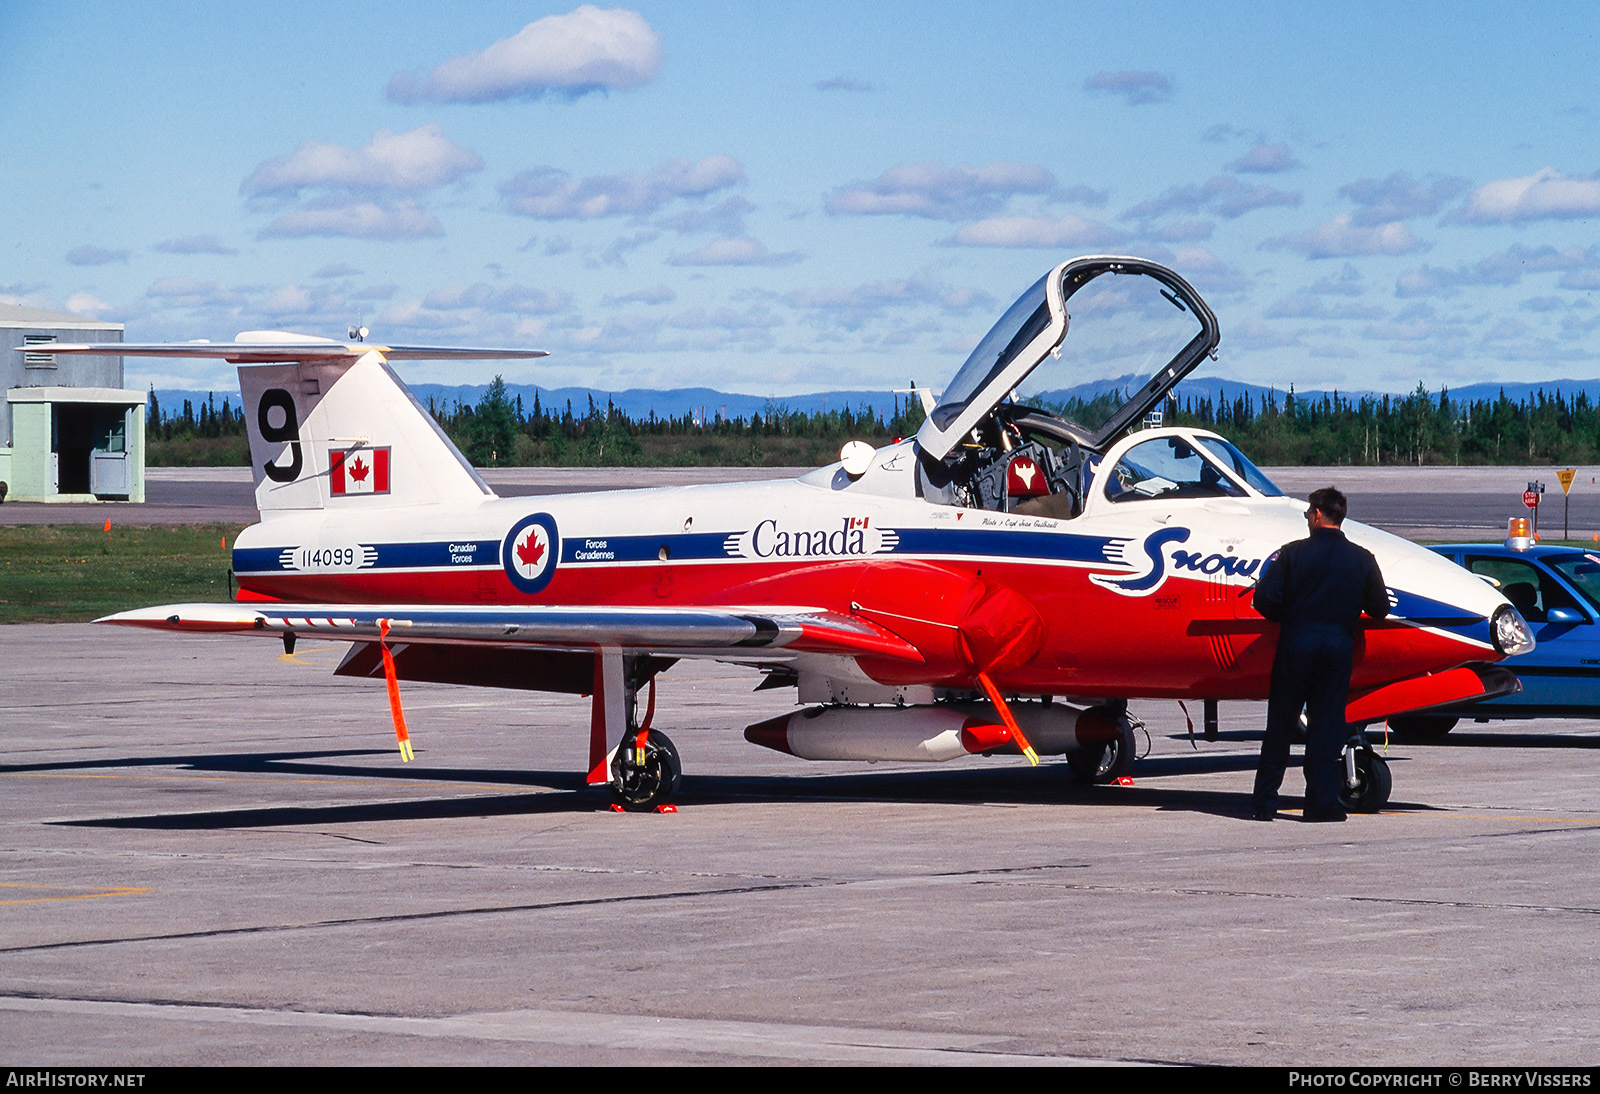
[1133, 335]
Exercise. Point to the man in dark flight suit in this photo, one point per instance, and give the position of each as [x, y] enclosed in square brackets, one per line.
[1315, 589]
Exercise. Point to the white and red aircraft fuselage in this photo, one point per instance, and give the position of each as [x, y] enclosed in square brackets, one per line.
[1004, 581]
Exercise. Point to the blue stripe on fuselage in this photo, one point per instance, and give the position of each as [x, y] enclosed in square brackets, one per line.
[704, 546]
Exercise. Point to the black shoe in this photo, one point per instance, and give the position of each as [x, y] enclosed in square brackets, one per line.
[1263, 814]
[1325, 816]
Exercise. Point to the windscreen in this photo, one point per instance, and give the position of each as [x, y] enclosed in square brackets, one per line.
[1235, 461]
[1018, 327]
[1169, 468]
[1123, 329]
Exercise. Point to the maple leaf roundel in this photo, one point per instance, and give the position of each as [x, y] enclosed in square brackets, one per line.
[530, 551]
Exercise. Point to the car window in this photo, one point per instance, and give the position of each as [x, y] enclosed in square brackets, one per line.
[1530, 590]
[1583, 571]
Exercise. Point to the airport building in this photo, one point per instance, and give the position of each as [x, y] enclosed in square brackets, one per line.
[69, 430]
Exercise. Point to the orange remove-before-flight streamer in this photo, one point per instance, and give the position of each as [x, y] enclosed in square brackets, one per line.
[400, 735]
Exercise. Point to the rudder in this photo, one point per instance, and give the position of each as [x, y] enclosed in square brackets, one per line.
[331, 433]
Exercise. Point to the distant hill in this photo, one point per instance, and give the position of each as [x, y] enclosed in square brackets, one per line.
[636, 403]
[708, 403]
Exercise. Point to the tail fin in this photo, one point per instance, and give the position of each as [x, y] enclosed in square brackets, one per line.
[325, 434]
[330, 423]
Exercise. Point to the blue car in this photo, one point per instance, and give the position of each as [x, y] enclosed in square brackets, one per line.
[1557, 590]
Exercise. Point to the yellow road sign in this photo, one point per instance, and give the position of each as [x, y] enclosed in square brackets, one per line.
[1565, 475]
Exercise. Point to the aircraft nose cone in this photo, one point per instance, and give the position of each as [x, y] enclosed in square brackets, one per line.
[1510, 632]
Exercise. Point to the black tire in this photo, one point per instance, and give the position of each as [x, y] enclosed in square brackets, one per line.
[1373, 783]
[646, 786]
[1421, 727]
[1120, 754]
[1104, 763]
[1085, 764]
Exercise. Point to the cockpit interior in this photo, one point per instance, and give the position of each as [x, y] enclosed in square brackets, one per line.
[1028, 420]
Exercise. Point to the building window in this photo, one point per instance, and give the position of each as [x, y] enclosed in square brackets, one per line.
[37, 360]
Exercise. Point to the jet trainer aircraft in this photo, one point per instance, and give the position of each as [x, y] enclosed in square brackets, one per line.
[1004, 582]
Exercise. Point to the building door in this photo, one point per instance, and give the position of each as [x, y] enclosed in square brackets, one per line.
[88, 441]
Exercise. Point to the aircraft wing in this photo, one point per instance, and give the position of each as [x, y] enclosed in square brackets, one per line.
[720, 632]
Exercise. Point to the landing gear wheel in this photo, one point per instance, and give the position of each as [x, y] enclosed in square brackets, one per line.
[1105, 763]
[1421, 727]
[1085, 764]
[1373, 783]
[647, 785]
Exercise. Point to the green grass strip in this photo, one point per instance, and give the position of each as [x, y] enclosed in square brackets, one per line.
[69, 573]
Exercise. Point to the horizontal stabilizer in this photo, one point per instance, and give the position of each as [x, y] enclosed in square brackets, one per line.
[268, 352]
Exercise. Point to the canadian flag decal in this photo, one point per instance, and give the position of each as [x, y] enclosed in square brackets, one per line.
[362, 470]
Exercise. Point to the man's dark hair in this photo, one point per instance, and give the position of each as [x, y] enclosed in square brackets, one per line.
[1330, 503]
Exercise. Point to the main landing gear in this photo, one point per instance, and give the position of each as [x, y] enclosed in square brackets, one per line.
[643, 778]
[640, 764]
[1367, 781]
[1108, 761]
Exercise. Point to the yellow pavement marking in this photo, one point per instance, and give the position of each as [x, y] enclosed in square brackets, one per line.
[294, 658]
[118, 890]
[1505, 817]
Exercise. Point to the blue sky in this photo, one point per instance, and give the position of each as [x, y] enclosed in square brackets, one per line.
[780, 198]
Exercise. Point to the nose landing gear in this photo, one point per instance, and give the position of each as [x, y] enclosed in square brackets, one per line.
[1367, 781]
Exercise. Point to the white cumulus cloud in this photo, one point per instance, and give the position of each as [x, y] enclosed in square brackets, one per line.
[195, 245]
[1399, 197]
[82, 303]
[552, 194]
[1068, 231]
[1222, 194]
[421, 159]
[513, 298]
[586, 50]
[1545, 194]
[941, 192]
[1341, 237]
[1265, 159]
[355, 219]
[738, 251]
[186, 292]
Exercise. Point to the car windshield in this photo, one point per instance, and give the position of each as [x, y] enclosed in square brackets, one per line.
[1582, 572]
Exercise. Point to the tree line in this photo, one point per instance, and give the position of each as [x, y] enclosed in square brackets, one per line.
[1417, 428]
[1288, 429]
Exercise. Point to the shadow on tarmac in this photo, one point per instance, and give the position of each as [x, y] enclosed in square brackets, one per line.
[554, 792]
[1476, 738]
